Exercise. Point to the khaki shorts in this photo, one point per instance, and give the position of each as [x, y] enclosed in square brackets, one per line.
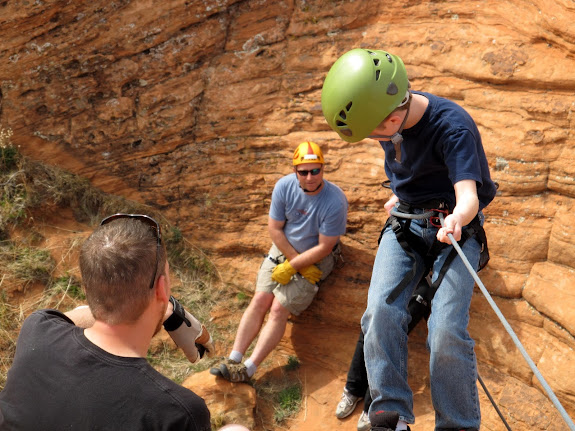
[298, 294]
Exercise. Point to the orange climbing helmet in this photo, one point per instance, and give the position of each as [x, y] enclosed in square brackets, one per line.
[307, 152]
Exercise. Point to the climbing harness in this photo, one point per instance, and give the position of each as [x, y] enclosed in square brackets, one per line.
[529, 361]
[400, 221]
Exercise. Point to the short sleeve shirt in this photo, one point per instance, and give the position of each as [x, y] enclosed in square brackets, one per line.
[307, 216]
[443, 148]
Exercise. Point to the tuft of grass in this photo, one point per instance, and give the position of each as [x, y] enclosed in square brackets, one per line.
[242, 299]
[10, 321]
[293, 363]
[284, 393]
[217, 421]
[288, 402]
[24, 263]
[186, 258]
[68, 285]
[171, 361]
[9, 154]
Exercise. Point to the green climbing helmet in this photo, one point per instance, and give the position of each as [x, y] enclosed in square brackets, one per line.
[361, 89]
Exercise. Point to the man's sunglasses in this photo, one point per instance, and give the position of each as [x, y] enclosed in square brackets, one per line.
[152, 224]
[304, 173]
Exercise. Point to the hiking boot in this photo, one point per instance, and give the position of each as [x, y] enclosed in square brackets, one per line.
[235, 373]
[216, 369]
[347, 404]
[363, 423]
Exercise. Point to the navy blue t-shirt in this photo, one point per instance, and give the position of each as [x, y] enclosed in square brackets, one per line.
[443, 148]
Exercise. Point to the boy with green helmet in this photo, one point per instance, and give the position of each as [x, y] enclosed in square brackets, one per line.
[362, 88]
[436, 166]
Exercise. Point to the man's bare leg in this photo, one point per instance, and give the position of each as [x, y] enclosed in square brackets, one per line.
[250, 325]
[252, 319]
[272, 332]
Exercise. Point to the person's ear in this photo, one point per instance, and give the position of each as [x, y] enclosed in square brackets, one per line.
[394, 119]
[161, 291]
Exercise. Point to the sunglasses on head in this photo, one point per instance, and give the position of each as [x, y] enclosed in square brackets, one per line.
[304, 172]
[148, 221]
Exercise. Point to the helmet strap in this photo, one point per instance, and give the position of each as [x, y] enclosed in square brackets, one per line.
[311, 191]
[396, 139]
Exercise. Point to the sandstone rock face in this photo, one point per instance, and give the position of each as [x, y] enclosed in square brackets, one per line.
[194, 107]
[229, 403]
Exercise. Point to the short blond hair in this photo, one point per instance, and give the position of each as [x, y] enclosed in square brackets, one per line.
[117, 263]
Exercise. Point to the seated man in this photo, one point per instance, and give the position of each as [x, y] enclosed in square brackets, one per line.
[67, 377]
[308, 214]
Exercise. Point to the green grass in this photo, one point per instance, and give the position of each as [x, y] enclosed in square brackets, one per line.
[68, 285]
[288, 402]
[10, 321]
[282, 393]
[9, 154]
[25, 263]
[293, 363]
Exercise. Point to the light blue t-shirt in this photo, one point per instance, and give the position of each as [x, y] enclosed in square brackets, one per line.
[308, 216]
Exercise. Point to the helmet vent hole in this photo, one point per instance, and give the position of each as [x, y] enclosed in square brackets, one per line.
[377, 74]
[348, 106]
[342, 115]
[376, 62]
[392, 89]
[389, 58]
[346, 132]
[370, 52]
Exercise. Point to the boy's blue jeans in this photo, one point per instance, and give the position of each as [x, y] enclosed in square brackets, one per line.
[452, 367]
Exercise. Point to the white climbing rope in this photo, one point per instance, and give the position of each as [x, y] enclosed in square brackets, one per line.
[529, 361]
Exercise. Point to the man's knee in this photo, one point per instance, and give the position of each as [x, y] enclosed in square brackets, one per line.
[278, 311]
[261, 302]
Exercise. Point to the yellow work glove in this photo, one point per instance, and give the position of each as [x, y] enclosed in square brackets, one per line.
[283, 272]
[311, 273]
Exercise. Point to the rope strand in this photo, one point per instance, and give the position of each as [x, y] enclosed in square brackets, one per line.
[529, 361]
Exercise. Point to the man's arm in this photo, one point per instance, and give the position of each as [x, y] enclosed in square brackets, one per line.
[466, 208]
[308, 257]
[315, 254]
[276, 231]
[81, 316]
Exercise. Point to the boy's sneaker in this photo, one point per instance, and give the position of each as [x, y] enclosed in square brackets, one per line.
[346, 405]
[363, 423]
[383, 421]
[234, 372]
[216, 371]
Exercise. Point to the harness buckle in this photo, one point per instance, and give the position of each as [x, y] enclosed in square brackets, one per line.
[271, 258]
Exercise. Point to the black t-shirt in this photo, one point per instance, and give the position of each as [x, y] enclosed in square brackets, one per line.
[61, 381]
